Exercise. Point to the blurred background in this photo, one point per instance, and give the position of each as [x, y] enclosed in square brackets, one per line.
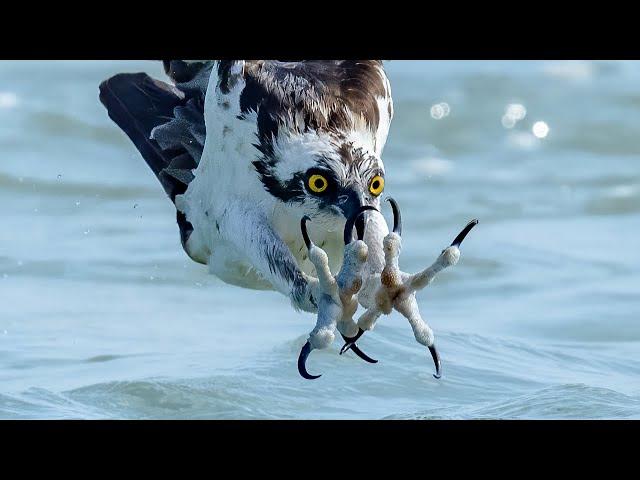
[102, 314]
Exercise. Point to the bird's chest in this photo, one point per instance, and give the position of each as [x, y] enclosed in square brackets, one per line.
[325, 234]
[331, 243]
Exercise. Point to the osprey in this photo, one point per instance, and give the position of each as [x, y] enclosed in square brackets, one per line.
[246, 149]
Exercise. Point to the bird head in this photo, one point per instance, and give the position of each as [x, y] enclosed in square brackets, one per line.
[323, 176]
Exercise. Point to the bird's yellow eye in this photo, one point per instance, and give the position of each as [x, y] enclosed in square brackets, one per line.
[317, 183]
[376, 186]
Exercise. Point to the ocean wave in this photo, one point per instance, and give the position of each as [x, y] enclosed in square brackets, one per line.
[566, 401]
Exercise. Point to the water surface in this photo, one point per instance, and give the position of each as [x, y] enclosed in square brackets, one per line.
[104, 316]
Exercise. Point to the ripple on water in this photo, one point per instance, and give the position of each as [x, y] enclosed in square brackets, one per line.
[220, 397]
[619, 199]
[568, 401]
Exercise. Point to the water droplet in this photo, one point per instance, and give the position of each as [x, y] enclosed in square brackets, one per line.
[135, 206]
[513, 113]
[59, 177]
[440, 110]
[77, 204]
[517, 111]
[540, 129]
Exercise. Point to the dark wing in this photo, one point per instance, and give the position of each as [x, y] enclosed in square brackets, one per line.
[165, 122]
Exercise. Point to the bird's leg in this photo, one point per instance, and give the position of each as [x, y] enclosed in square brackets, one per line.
[350, 280]
[329, 305]
[405, 302]
[375, 232]
[328, 295]
[337, 296]
[407, 306]
[397, 289]
[388, 285]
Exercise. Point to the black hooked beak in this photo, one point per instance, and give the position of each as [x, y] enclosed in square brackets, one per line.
[302, 360]
[358, 219]
[458, 240]
[436, 360]
[397, 218]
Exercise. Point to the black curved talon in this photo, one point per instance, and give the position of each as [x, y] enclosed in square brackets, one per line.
[350, 341]
[436, 360]
[397, 218]
[348, 227]
[305, 234]
[302, 360]
[458, 240]
[355, 349]
[350, 344]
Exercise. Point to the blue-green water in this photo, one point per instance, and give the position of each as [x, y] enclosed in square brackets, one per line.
[102, 315]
